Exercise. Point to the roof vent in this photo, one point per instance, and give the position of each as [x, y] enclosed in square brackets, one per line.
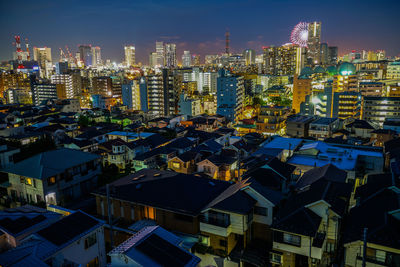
[138, 177]
[157, 174]
[211, 183]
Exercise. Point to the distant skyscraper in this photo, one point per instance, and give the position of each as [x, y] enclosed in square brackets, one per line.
[282, 60]
[314, 42]
[324, 54]
[61, 67]
[332, 55]
[85, 53]
[42, 55]
[230, 95]
[160, 58]
[196, 60]
[249, 56]
[186, 59]
[96, 56]
[170, 55]
[153, 59]
[130, 55]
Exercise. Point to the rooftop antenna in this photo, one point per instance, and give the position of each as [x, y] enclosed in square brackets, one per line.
[227, 41]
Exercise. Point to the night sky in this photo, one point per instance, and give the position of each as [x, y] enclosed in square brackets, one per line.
[198, 26]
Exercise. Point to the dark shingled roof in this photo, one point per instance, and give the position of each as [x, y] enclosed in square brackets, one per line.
[182, 193]
[18, 225]
[68, 228]
[302, 221]
[329, 172]
[375, 213]
[240, 202]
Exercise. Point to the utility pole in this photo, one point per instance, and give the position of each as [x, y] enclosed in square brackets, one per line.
[110, 216]
[364, 246]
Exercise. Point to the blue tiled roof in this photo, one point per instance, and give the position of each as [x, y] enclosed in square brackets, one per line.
[50, 163]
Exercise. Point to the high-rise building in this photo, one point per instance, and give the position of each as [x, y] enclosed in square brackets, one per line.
[393, 70]
[301, 88]
[377, 109]
[346, 80]
[153, 59]
[102, 86]
[324, 59]
[332, 55]
[230, 95]
[42, 92]
[131, 95]
[186, 59]
[314, 42]
[162, 93]
[130, 55]
[160, 57]
[170, 55]
[61, 67]
[196, 60]
[144, 100]
[249, 56]
[282, 60]
[85, 54]
[96, 56]
[67, 82]
[42, 55]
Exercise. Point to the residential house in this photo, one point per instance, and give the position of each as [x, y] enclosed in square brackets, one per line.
[185, 162]
[7, 155]
[374, 221]
[152, 246]
[73, 240]
[53, 177]
[298, 125]
[324, 127]
[219, 167]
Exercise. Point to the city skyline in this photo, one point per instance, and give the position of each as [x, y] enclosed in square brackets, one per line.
[100, 24]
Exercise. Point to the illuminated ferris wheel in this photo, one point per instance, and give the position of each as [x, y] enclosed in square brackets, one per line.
[299, 34]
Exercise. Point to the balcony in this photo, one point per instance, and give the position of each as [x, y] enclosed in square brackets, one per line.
[215, 226]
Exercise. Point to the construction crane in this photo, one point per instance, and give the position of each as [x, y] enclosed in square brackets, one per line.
[63, 56]
[19, 51]
[71, 58]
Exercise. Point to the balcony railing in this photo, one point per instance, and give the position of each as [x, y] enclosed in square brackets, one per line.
[217, 222]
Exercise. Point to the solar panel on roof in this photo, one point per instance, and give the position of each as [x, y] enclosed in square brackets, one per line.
[163, 252]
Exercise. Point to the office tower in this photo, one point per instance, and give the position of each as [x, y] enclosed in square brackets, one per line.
[131, 95]
[61, 67]
[332, 55]
[282, 60]
[170, 55]
[42, 55]
[301, 88]
[85, 54]
[130, 55]
[96, 56]
[18, 96]
[102, 86]
[249, 56]
[196, 60]
[324, 54]
[230, 95]
[66, 85]
[160, 57]
[314, 42]
[377, 109]
[186, 59]
[153, 59]
[163, 93]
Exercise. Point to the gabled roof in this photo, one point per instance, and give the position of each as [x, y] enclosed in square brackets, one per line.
[47, 164]
[329, 172]
[376, 214]
[187, 156]
[360, 124]
[219, 160]
[240, 203]
[302, 221]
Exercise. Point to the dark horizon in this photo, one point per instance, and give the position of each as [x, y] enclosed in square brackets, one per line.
[198, 26]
